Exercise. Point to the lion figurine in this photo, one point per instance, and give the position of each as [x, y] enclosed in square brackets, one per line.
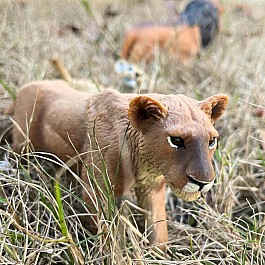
[182, 40]
[145, 140]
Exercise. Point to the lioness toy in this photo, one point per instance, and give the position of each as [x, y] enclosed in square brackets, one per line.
[146, 140]
[182, 40]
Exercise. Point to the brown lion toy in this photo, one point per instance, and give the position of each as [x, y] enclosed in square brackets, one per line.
[145, 140]
[182, 40]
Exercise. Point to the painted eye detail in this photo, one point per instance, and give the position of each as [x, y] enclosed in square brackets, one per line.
[213, 143]
[175, 141]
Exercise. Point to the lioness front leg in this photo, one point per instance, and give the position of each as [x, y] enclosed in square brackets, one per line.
[151, 196]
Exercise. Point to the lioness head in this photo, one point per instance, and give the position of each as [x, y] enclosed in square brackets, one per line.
[178, 139]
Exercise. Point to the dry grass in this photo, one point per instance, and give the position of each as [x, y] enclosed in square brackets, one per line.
[37, 229]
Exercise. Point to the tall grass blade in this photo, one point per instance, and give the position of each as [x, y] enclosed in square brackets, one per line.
[10, 91]
[87, 6]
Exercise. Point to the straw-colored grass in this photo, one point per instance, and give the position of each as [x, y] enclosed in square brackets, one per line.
[42, 220]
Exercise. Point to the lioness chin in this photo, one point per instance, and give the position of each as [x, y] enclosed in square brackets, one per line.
[145, 140]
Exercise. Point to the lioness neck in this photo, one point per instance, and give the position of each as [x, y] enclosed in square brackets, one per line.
[120, 143]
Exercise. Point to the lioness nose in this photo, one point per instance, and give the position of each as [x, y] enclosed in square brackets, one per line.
[200, 183]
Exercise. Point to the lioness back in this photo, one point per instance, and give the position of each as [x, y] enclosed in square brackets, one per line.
[52, 113]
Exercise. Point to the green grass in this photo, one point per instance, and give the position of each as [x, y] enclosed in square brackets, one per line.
[37, 220]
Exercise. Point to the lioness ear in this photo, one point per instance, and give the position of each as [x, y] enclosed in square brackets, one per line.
[214, 106]
[144, 111]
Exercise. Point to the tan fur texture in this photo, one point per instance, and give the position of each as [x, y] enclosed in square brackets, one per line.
[134, 135]
[38, 110]
[180, 42]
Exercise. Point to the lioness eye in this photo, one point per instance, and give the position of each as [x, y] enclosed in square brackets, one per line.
[176, 141]
[213, 143]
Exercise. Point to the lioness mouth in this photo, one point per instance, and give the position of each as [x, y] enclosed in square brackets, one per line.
[185, 195]
[192, 190]
[204, 186]
[195, 181]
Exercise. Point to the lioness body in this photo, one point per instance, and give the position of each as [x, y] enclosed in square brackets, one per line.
[136, 135]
